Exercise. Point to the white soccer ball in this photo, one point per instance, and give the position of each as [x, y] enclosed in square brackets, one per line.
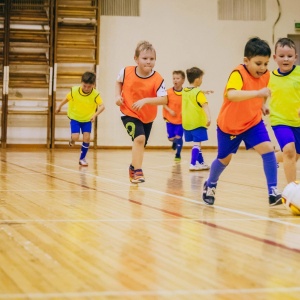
[291, 197]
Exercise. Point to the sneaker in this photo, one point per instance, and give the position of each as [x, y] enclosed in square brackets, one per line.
[208, 195]
[83, 162]
[199, 167]
[192, 167]
[177, 157]
[71, 143]
[202, 166]
[131, 172]
[275, 197]
[138, 176]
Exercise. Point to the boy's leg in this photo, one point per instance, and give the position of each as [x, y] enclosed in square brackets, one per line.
[258, 138]
[270, 169]
[179, 145]
[139, 133]
[194, 154]
[179, 141]
[75, 132]
[210, 185]
[289, 162]
[138, 147]
[86, 129]
[289, 142]
[226, 147]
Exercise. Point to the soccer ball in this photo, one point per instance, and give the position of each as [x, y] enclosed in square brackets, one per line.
[291, 197]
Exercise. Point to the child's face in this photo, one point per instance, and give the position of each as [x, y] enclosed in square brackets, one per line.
[257, 65]
[285, 58]
[177, 81]
[87, 87]
[145, 62]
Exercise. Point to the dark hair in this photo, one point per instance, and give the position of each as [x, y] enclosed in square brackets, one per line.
[285, 42]
[88, 77]
[193, 73]
[179, 72]
[257, 47]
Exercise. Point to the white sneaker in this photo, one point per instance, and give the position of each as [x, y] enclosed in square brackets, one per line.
[202, 166]
[199, 167]
[83, 162]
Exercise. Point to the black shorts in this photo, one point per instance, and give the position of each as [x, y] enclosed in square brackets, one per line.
[136, 127]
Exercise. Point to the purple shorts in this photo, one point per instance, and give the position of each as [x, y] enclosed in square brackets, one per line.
[287, 134]
[228, 143]
[173, 130]
[83, 126]
[196, 135]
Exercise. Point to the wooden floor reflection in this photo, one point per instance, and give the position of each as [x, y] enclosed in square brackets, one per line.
[71, 232]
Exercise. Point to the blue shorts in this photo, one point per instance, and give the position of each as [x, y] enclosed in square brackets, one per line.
[196, 135]
[83, 126]
[173, 130]
[287, 134]
[228, 143]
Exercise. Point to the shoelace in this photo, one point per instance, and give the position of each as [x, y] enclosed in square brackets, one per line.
[211, 191]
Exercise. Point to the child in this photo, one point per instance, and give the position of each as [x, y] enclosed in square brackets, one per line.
[285, 105]
[195, 117]
[84, 105]
[240, 119]
[172, 113]
[139, 89]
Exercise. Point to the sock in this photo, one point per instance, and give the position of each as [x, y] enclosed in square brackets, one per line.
[216, 170]
[84, 150]
[195, 152]
[179, 146]
[270, 168]
[200, 157]
[174, 144]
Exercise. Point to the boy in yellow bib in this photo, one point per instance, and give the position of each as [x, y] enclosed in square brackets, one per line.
[84, 105]
[285, 105]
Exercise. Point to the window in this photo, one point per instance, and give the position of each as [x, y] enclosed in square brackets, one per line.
[247, 10]
[120, 8]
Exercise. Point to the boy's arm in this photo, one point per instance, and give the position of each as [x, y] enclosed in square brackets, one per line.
[62, 103]
[241, 95]
[162, 100]
[169, 110]
[100, 109]
[118, 93]
[207, 112]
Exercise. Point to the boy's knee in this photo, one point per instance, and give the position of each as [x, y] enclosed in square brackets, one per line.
[140, 139]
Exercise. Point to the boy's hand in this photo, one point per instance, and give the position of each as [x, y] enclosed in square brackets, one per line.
[57, 110]
[299, 112]
[208, 123]
[119, 100]
[93, 119]
[172, 112]
[264, 93]
[138, 104]
[265, 110]
[207, 92]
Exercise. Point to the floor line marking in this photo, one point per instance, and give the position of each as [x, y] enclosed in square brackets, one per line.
[71, 295]
[190, 200]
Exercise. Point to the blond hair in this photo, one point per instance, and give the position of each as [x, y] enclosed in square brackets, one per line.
[143, 46]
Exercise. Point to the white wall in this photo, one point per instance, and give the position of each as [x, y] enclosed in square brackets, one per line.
[185, 34]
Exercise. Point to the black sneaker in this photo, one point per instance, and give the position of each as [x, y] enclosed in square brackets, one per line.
[208, 195]
[275, 197]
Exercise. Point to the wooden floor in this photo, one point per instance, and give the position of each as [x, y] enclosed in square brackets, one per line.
[69, 232]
